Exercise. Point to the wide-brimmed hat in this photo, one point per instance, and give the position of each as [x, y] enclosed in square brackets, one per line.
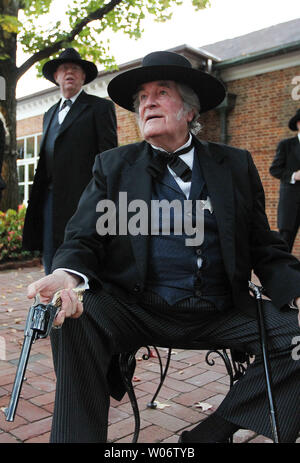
[69, 55]
[165, 65]
[293, 121]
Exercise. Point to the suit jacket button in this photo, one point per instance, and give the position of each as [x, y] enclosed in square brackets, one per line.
[198, 293]
[137, 288]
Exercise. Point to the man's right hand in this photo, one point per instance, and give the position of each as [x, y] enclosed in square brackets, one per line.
[297, 175]
[47, 286]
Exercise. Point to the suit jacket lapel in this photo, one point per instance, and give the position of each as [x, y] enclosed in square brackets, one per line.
[47, 121]
[217, 173]
[169, 181]
[137, 182]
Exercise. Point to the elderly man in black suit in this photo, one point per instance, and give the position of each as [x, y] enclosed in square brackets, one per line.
[286, 167]
[149, 283]
[75, 130]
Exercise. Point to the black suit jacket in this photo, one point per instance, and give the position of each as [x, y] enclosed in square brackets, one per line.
[287, 161]
[88, 129]
[119, 263]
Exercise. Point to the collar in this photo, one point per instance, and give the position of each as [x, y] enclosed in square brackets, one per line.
[180, 147]
[188, 157]
[73, 98]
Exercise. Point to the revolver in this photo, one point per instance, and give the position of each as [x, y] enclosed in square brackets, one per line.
[38, 325]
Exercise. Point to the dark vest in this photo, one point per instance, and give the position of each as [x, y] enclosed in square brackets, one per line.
[177, 271]
[51, 136]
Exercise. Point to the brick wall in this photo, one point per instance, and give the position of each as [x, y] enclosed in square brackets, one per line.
[128, 131]
[30, 126]
[259, 121]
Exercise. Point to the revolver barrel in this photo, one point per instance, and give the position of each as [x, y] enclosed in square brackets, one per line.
[15, 395]
[36, 324]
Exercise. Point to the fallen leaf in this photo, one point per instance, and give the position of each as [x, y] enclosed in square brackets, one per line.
[161, 405]
[136, 379]
[203, 406]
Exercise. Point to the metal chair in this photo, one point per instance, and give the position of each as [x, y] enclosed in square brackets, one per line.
[236, 364]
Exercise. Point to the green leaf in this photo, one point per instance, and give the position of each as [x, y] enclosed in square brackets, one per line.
[9, 24]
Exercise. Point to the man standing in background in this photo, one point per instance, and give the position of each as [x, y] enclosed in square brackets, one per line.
[286, 167]
[75, 129]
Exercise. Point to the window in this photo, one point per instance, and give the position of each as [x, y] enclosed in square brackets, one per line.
[28, 149]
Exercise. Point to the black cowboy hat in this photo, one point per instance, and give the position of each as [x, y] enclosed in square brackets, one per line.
[69, 55]
[293, 121]
[165, 65]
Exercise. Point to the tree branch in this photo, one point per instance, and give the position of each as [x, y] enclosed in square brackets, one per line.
[50, 50]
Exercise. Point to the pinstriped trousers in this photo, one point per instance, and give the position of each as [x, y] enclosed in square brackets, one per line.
[83, 348]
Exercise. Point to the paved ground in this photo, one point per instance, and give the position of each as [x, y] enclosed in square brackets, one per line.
[192, 390]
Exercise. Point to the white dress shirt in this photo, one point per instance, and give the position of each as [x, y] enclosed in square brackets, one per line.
[188, 158]
[63, 112]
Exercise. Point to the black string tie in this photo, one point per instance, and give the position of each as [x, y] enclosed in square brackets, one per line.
[65, 104]
[158, 164]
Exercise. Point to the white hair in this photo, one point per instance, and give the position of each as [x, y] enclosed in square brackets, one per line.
[190, 102]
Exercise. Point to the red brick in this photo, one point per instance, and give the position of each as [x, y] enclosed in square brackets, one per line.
[151, 434]
[123, 428]
[41, 439]
[30, 411]
[160, 418]
[6, 438]
[44, 399]
[116, 415]
[204, 378]
[31, 430]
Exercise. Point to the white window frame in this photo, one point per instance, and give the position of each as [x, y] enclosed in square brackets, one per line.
[27, 162]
